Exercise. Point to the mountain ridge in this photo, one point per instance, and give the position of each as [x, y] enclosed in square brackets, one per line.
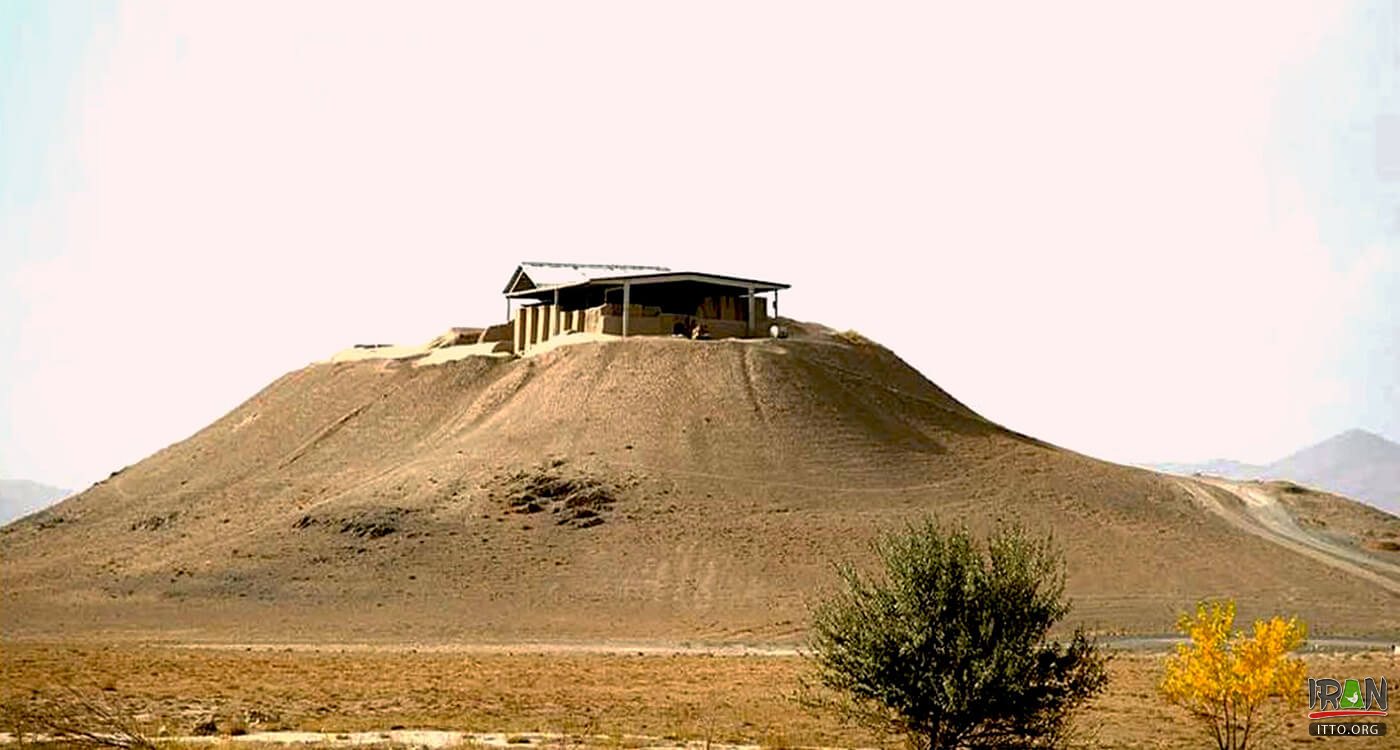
[1355, 463]
[20, 497]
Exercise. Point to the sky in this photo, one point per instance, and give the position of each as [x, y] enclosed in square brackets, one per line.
[1146, 233]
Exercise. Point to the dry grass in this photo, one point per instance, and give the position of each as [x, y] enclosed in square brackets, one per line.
[662, 696]
[71, 716]
[676, 697]
[853, 337]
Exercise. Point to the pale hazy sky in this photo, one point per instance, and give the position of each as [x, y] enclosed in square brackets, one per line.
[1169, 231]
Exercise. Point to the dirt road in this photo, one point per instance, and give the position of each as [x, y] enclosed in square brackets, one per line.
[1253, 509]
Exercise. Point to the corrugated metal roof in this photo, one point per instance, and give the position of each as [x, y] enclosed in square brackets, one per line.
[564, 274]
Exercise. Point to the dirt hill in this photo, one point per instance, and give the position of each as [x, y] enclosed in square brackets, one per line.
[647, 489]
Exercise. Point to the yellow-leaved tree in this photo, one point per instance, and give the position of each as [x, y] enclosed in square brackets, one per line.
[1237, 684]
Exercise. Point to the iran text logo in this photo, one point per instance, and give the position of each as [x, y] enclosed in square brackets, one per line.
[1349, 702]
[1338, 699]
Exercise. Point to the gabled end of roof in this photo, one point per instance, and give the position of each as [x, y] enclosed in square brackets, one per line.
[531, 274]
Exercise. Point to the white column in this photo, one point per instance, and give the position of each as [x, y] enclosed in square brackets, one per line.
[751, 310]
[626, 305]
[554, 316]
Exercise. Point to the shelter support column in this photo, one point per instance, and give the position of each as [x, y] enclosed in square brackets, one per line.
[554, 315]
[626, 305]
[752, 306]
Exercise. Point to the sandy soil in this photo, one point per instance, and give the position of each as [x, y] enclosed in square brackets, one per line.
[443, 355]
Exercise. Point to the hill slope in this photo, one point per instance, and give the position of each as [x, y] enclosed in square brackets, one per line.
[1356, 463]
[641, 489]
[20, 497]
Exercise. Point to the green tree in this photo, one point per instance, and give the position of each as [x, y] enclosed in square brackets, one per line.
[949, 645]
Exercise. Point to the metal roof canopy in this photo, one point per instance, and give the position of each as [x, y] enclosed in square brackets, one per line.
[550, 275]
[608, 276]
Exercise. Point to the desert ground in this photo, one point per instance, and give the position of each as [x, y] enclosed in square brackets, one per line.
[692, 497]
[523, 696]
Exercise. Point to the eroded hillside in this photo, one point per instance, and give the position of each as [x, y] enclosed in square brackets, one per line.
[647, 489]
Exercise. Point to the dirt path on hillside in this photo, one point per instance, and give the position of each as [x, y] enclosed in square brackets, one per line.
[1262, 515]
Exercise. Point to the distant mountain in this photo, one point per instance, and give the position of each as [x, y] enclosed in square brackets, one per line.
[1358, 464]
[20, 497]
